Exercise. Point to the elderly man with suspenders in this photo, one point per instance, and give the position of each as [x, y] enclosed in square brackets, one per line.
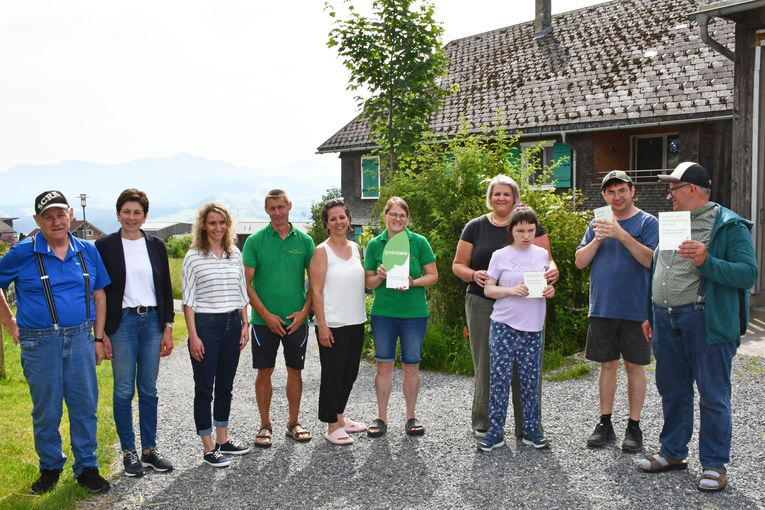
[59, 288]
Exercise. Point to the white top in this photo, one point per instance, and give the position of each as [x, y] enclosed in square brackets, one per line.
[507, 266]
[343, 289]
[212, 285]
[139, 279]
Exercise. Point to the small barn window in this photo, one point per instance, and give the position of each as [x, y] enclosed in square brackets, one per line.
[654, 154]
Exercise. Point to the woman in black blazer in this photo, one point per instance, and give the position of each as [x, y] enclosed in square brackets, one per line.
[139, 327]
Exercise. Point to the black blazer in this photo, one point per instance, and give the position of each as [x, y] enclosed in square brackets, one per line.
[110, 248]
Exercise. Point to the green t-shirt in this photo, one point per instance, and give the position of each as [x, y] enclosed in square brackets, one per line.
[405, 304]
[280, 266]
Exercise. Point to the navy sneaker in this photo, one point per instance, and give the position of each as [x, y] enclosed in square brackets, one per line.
[536, 440]
[48, 479]
[156, 461]
[488, 443]
[93, 481]
[231, 448]
[132, 465]
[215, 459]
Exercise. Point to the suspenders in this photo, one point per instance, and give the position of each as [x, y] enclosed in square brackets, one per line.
[45, 279]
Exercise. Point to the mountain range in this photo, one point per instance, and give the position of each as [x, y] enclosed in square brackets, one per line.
[176, 187]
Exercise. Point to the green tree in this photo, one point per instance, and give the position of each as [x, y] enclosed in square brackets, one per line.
[177, 246]
[445, 187]
[396, 55]
[317, 232]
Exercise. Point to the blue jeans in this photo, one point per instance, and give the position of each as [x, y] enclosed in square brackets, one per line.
[61, 365]
[220, 333]
[386, 332]
[135, 346]
[682, 358]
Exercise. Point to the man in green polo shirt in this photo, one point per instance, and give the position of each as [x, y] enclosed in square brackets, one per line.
[275, 260]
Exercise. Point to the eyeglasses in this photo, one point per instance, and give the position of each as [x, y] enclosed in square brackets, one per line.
[621, 192]
[671, 190]
[335, 201]
[398, 216]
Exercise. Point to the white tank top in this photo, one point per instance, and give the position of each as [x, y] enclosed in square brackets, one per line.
[343, 289]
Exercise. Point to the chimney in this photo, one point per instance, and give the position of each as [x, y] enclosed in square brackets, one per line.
[543, 19]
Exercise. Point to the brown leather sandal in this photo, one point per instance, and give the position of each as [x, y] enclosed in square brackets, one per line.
[296, 431]
[263, 440]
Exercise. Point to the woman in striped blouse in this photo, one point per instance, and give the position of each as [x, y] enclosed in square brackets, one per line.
[214, 305]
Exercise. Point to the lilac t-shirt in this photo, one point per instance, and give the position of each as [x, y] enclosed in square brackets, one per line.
[507, 266]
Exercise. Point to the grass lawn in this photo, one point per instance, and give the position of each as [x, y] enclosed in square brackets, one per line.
[19, 468]
[175, 277]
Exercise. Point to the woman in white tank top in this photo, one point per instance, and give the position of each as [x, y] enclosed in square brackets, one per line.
[337, 288]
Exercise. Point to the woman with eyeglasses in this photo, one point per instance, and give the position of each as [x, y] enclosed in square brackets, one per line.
[480, 238]
[399, 314]
[337, 287]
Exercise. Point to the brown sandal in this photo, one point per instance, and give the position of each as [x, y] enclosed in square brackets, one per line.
[296, 431]
[265, 439]
[716, 476]
[660, 463]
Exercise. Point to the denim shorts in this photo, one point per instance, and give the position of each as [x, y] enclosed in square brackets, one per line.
[385, 332]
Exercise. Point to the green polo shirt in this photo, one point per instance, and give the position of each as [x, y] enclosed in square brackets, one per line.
[399, 304]
[280, 266]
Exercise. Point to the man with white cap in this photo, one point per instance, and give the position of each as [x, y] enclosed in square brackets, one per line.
[620, 252]
[699, 308]
[59, 283]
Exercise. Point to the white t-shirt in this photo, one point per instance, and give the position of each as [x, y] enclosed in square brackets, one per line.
[139, 279]
[343, 289]
[507, 266]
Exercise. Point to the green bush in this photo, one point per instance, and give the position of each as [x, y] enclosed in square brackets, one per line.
[445, 186]
[177, 246]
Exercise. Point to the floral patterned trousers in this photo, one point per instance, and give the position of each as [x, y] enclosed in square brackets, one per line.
[506, 346]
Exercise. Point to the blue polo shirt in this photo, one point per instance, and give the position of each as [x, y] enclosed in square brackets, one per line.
[19, 265]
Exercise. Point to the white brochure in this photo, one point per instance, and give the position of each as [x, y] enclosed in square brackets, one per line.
[536, 283]
[674, 228]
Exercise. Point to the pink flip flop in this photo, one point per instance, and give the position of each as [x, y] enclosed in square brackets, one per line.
[354, 426]
[338, 437]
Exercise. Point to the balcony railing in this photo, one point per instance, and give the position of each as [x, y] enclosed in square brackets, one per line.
[638, 176]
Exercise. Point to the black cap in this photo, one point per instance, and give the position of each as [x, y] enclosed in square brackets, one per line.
[690, 172]
[615, 175]
[48, 199]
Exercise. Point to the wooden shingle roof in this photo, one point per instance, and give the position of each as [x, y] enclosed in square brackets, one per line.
[624, 62]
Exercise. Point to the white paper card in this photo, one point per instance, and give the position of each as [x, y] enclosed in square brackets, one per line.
[674, 228]
[604, 213]
[398, 276]
[536, 283]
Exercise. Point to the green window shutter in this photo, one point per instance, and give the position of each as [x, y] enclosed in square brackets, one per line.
[514, 153]
[562, 173]
[356, 233]
[370, 177]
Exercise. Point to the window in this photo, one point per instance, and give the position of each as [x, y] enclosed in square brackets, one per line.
[370, 177]
[550, 151]
[653, 154]
[88, 233]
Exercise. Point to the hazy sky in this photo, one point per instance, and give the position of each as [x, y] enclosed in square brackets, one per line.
[247, 81]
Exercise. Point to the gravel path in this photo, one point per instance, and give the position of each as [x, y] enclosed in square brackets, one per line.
[441, 469]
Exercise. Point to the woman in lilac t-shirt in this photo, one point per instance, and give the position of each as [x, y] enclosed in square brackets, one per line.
[516, 329]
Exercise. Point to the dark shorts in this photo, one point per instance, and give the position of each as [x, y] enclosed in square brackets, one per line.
[265, 344]
[608, 339]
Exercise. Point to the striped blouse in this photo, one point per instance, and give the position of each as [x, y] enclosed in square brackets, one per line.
[211, 285]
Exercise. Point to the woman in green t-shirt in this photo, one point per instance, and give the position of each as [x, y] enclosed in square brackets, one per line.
[400, 313]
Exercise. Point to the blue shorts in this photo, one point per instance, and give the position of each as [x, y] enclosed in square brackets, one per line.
[385, 332]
